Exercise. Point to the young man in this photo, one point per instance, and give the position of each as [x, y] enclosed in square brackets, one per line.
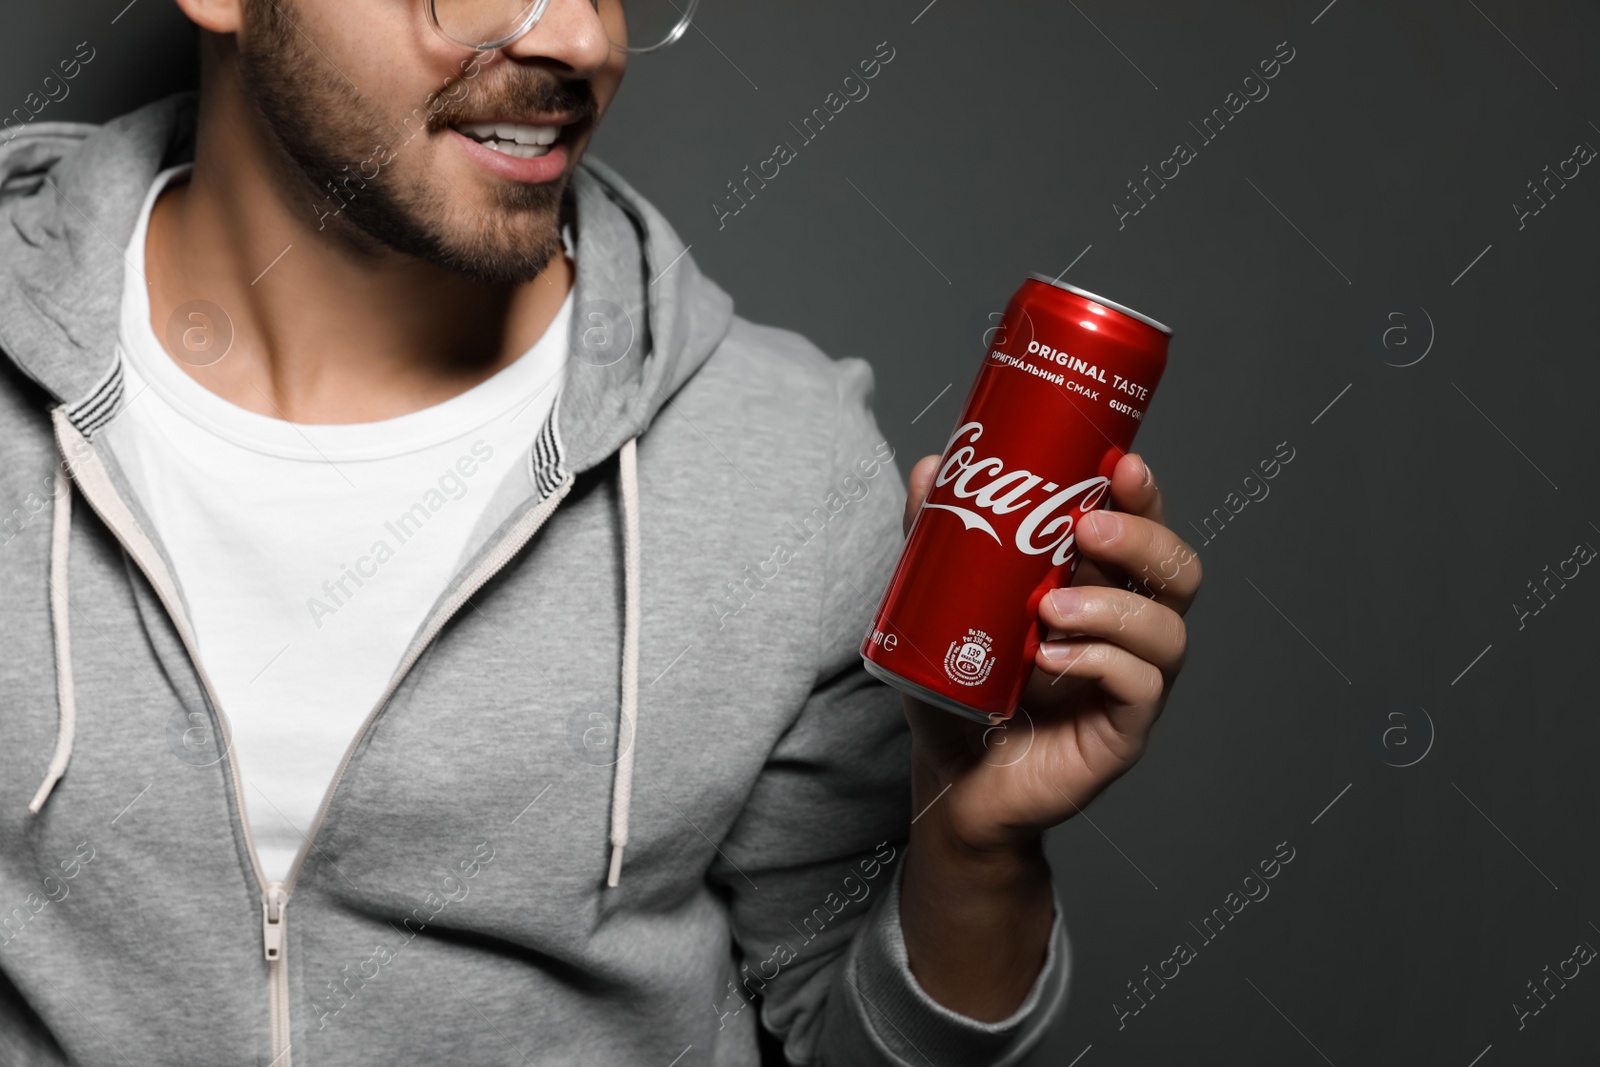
[432, 615]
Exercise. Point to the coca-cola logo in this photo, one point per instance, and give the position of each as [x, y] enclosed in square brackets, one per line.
[1051, 525]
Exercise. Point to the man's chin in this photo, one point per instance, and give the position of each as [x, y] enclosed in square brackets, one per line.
[500, 258]
[495, 269]
[501, 245]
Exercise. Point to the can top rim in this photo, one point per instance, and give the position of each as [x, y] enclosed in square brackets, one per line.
[1112, 304]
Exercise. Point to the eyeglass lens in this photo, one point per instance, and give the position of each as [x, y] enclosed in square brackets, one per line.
[650, 24]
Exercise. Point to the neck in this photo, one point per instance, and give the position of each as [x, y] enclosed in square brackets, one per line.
[325, 329]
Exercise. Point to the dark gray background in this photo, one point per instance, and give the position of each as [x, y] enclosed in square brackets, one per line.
[1391, 550]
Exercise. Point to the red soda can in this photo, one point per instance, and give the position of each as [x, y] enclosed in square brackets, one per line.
[1063, 389]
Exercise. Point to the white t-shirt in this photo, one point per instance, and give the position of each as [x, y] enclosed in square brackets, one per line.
[309, 555]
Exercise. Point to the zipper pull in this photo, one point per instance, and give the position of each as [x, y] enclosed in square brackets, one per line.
[272, 904]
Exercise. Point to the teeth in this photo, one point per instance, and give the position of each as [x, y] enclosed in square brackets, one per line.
[520, 151]
[512, 133]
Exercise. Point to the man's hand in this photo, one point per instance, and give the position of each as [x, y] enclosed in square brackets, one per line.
[976, 906]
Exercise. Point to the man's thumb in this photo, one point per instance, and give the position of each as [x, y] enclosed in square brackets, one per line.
[921, 481]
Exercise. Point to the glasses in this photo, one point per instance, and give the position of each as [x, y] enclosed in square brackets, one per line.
[486, 25]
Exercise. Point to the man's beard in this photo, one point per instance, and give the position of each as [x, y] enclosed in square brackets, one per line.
[340, 144]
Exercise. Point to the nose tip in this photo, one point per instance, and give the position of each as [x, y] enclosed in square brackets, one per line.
[570, 33]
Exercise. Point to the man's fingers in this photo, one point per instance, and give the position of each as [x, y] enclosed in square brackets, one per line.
[1134, 488]
[921, 481]
[1159, 562]
[1150, 630]
[1133, 685]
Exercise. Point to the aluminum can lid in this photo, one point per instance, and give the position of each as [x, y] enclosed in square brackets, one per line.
[1112, 304]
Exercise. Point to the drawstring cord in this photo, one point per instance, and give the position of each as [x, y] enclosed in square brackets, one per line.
[622, 782]
[67, 708]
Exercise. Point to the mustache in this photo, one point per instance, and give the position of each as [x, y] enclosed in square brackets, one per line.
[523, 92]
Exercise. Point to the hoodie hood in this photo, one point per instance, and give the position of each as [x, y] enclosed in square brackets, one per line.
[70, 194]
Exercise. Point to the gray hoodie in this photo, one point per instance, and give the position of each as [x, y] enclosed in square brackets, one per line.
[628, 788]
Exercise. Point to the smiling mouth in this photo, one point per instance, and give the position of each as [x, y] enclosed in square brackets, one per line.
[517, 140]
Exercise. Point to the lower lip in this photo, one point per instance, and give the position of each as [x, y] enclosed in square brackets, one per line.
[545, 168]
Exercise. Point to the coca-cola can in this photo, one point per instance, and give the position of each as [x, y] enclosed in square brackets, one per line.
[1061, 393]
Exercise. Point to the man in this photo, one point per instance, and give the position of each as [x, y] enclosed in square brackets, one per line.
[385, 686]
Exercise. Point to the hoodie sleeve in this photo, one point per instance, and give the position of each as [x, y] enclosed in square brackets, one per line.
[825, 826]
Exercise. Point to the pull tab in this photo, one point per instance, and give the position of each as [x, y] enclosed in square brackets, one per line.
[272, 903]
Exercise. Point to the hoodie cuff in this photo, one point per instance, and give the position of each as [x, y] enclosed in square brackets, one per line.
[911, 1028]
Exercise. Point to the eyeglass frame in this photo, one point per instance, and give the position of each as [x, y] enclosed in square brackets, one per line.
[537, 9]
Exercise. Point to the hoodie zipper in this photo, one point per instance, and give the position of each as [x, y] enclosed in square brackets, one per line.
[273, 936]
[275, 895]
